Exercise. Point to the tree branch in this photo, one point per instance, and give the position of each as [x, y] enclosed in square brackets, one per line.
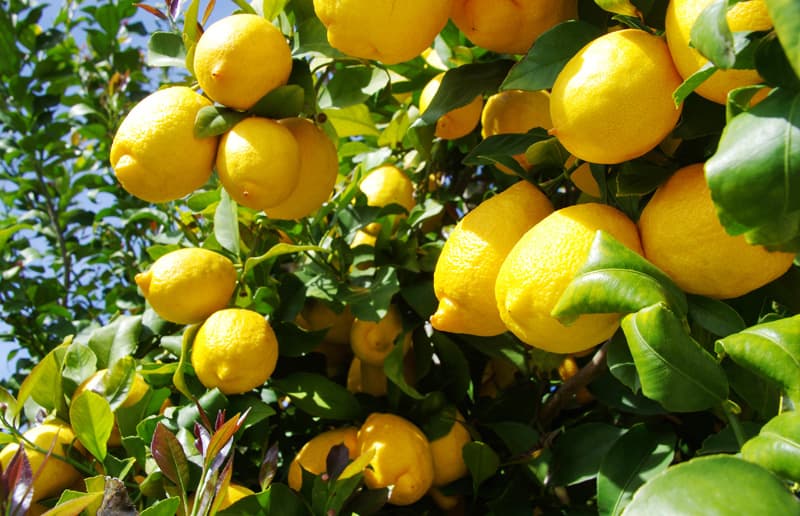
[52, 213]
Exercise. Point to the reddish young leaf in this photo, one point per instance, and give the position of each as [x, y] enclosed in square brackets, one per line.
[170, 457]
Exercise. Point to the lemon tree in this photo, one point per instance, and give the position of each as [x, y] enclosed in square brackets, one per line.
[311, 257]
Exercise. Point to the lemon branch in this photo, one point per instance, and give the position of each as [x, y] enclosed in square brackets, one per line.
[572, 385]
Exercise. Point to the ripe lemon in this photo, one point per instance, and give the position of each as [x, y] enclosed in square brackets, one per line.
[613, 100]
[682, 235]
[258, 163]
[515, 112]
[316, 174]
[402, 459]
[232, 494]
[241, 58]
[509, 26]
[155, 153]
[542, 264]
[386, 185]
[448, 462]
[465, 273]
[317, 315]
[366, 378]
[55, 475]
[187, 285]
[235, 350]
[456, 123]
[373, 341]
[384, 30]
[313, 455]
[681, 17]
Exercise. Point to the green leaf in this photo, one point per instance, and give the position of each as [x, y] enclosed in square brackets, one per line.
[623, 7]
[166, 49]
[319, 396]
[579, 452]
[75, 505]
[785, 16]
[753, 176]
[481, 460]
[277, 500]
[636, 457]
[673, 368]
[620, 363]
[8, 47]
[282, 102]
[353, 85]
[771, 350]
[92, 419]
[546, 153]
[179, 376]
[226, 223]
[118, 380]
[457, 380]
[215, 120]
[755, 390]
[43, 384]
[777, 446]
[692, 82]
[7, 233]
[519, 438]
[712, 37]
[500, 148]
[772, 64]
[715, 316]
[723, 485]
[394, 367]
[352, 121]
[79, 363]
[615, 279]
[551, 51]
[116, 340]
[640, 177]
[190, 34]
[280, 250]
[725, 440]
[168, 507]
[270, 9]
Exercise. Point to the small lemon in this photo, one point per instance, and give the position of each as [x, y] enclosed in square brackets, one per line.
[448, 461]
[681, 16]
[456, 123]
[235, 350]
[402, 459]
[373, 341]
[241, 58]
[384, 30]
[155, 153]
[541, 265]
[612, 102]
[187, 285]
[386, 185]
[258, 163]
[313, 455]
[682, 236]
[509, 26]
[465, 273]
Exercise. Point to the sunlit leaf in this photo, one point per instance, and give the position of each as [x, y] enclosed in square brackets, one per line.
[170, 457]
[215, 120]
[777, 446]
[785, 16]
[92, 420]
[319, 396]
[166, 49]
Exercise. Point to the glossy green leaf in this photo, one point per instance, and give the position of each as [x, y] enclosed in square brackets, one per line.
[762, 395]
[639, 177]
[692, 82]
[79, 363]
[282, 102]
[277, 500]
[43, 384]
[118, 380]
[216, 120]
[179, 376]
[615, 279]
[92, 419]
[777, 446]
[620, 362]
[499, 149]
[166, 49]
[75, 505]
[352, 121]
[636, 457]
[723, 485]
[226, 223]
[771, 350]
[612, 393]
[785, 16]
[551, 51]
[712, 37]
[353, 85]
[772, 64]
[270, 9]
[481, 460]
[753, 177]
[725, 440]
[715, 316]
[116, 340]
[673, 369]
[319, 396]
[546, 153]
[580, 451]
[190, 34]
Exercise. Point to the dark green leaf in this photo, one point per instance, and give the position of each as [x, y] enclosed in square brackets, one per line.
[772, 65]
[282, 102]
[319, 396]
[295, 341]
[215, 120]
[620, 363]
[579, 452]
[715, 316]
[777, 446]
[785, 16]
[518, 437]
[481, 460]
[394, 366]
[639, 177]
[166, 49]
[761, 394]
[725, 440]
[353, 85]
[92, 419]
[712, 37]
[546, 153]
[499, 149]
[277, 500]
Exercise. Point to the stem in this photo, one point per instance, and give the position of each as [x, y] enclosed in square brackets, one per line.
[734, 423]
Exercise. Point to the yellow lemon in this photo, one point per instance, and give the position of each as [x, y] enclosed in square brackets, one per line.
[316, 316]
[566, 370]
[465, 273]
[515, 112]
[386, 185]
[313, 455]
[542, 264]
[402, 459]
[612, 102]
[582, 178]
[52, 475]
[258, 163]
[682, 236]
[241, 58]
[316, 175]
[384, 30]
[448, 462]
[681, 16]
[509, 26]
[456, 123]
[498, 374]
[235, 350]
[373, 341]
[155, 153]
[187, 285]
[232, 494]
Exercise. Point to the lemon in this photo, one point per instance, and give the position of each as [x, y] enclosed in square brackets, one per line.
[241, 58]
[402, 459]
[316, 316]
[515, 112]
[366, 378]
[681, 17]
[448, 462]
[316, 175]
[387, 185]
[682, 235]
[373, 341]
[53, 475]
[235, 350]
[187, 285]
[258, 163]
[383, 30]
[582, 178]
[542, 264]
[612, 102]
[465, 273]
[155, 153]
[313, 455]
[232, 494]
[456, 123]
[509, 26]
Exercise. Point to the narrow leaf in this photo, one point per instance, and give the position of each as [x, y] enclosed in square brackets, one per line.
[623, 7]
[92, 420]
[170, 457]
[280, 250]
